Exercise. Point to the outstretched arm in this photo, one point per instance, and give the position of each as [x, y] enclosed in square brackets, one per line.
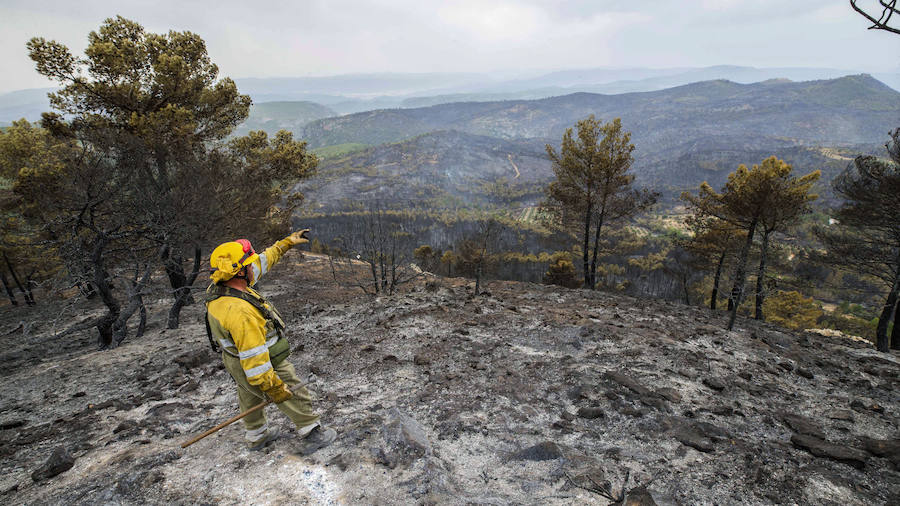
[272, 255]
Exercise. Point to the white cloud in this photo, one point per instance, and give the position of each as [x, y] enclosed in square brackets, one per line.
[316, 37]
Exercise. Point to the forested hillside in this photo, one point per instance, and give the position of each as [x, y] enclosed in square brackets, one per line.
[850, 109]
[683, 136]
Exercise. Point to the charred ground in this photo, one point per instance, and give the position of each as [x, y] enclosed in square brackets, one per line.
[528, 394]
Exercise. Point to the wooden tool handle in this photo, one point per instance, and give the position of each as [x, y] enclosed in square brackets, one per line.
[227, 423]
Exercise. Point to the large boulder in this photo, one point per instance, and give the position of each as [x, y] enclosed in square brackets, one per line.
[59, 462]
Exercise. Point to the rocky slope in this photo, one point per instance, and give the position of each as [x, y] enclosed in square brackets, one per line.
[530, 394]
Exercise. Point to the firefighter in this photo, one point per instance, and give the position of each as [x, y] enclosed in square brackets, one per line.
[250, 332]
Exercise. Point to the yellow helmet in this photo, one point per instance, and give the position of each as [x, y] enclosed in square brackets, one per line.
[229, 258]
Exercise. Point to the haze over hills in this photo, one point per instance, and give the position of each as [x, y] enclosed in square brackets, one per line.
[291, 116]
[847, 110]
[347, 94]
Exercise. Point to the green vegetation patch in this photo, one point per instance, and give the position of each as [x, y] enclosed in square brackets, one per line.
[339, 150]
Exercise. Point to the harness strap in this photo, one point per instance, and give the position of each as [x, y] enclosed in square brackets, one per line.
[260, 303]
[212, 342]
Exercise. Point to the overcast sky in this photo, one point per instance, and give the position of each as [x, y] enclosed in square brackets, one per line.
[324, 37]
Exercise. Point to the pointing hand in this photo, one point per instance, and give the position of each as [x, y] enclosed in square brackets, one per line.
[299, 237]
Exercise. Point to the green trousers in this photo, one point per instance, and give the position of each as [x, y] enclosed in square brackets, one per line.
[298, 408]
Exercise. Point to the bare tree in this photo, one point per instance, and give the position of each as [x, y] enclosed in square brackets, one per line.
[382, 240]
[888, 9]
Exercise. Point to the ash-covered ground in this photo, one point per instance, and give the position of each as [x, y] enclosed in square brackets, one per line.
[530, 394]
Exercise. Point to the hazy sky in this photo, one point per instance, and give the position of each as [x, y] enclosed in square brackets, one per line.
[323, 37]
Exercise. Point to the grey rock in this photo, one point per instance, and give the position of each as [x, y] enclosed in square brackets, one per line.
[639, 496]
[787, 366]
[670, 394]
[689, 435]
[628, 382]
[805, 373]
[190, 386]
[591, 413]
[886, 448]
[124, 426]
[193, 359]
[802, 425]
[404, 440]
[717, 384]
[822, 448]
[59, 462]
[546, 450]
[11, 424]
[841, 414]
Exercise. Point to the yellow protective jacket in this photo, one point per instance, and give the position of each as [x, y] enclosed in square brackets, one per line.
[243, 331]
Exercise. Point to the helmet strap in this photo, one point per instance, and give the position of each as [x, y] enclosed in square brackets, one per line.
[242, 274]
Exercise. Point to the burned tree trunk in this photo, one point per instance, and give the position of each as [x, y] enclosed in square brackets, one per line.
[104, 289]
[761, 276]
[596, 250]
[716, 279]
[740, 275]
[135, 303]
[895, 335]
[588, 279]
[25, 293]
[183, 296]
[9, 291]
[882, 341]
[478, 272]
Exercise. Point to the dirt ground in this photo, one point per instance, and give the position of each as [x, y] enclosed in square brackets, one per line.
[528, 394]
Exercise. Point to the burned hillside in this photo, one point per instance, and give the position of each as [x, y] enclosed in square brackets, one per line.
[524, 394]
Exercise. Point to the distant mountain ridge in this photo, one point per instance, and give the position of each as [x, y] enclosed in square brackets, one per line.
[683, 135]
[853, 109]
[347, 94]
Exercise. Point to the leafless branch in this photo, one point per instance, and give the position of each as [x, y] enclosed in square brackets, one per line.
[888, 9]
[600, 490]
